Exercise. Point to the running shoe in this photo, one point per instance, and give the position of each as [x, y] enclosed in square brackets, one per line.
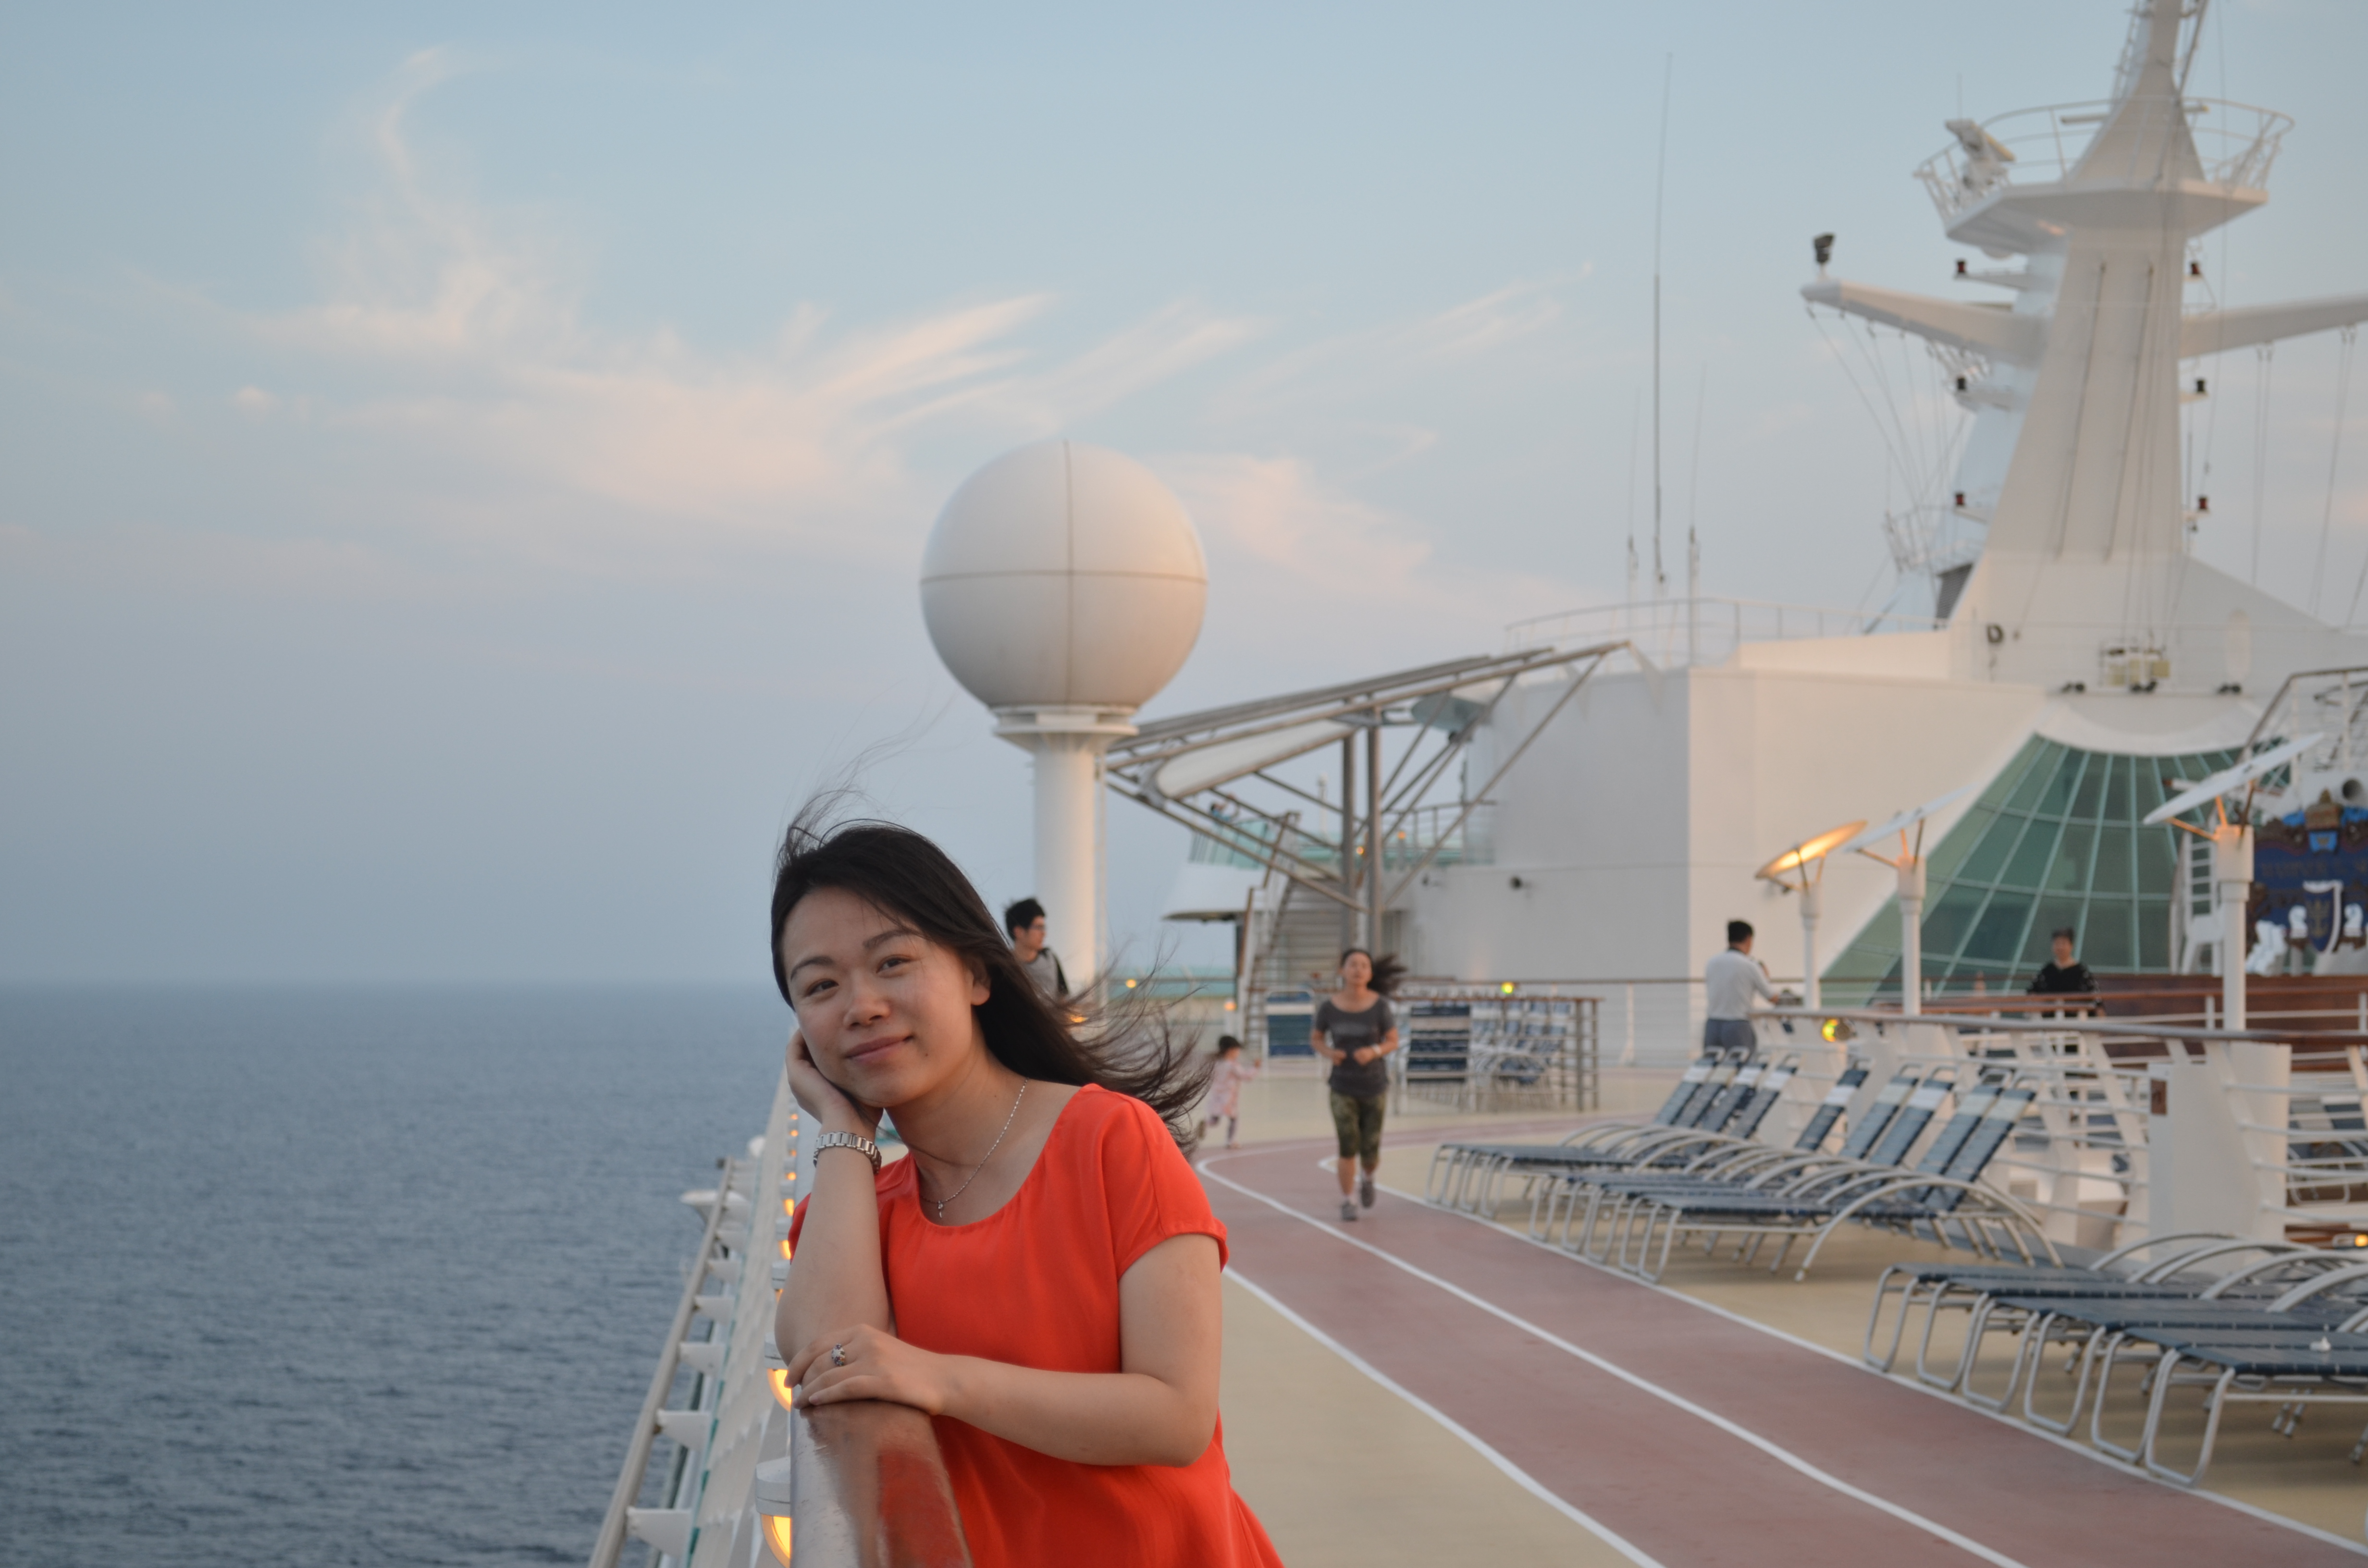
[1365, 1191]
[1347, 1210]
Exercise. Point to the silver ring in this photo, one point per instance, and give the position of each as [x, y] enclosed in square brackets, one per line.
[839, 1355]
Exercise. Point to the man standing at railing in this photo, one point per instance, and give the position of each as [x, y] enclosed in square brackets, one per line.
[2066, 976]
[1730, 981]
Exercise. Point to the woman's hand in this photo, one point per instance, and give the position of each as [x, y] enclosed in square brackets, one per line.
[822, 1100]
[871, 1364]
[1365, 1053]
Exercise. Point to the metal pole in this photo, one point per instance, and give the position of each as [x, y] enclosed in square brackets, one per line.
[1373, 883]
[1348, 911]
[1911, 935]
[1811, 902]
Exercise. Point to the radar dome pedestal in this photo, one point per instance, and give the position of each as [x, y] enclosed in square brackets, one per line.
[1064, 585]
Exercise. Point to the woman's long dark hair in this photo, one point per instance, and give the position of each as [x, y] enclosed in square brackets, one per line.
[1127, 1049]
[1387, 971]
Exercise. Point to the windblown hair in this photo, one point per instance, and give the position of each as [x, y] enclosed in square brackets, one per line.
[1125, 1047]
[1387, 969]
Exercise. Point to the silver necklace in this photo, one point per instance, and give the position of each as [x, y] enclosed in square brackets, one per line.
[991, 1148]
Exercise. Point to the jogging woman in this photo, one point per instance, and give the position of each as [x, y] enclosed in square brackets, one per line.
[1354, 1030]
[1041, 1275]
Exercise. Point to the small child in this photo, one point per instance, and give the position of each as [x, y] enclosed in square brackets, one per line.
[1224, 1102]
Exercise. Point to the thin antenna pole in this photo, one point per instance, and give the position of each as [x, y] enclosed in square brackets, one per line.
[1693, 493]
[1660, 186]
[1636, 439]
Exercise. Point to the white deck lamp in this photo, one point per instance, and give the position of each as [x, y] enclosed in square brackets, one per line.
[1801, 869]
[772, 1494]
[1908, 862]
[2232, 856]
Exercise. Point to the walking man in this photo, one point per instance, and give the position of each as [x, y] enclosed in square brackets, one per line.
[1731, 980]
[1025, 921]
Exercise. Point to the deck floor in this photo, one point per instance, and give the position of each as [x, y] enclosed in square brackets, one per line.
[1422, 1386]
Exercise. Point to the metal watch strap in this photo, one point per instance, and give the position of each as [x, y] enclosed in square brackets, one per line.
[863, 1146]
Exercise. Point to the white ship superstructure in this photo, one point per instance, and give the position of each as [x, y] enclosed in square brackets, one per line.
[2075, 655]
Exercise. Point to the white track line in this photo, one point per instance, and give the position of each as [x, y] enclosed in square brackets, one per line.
[2068, 1445]
[1774, 1451]
[1471, 1439]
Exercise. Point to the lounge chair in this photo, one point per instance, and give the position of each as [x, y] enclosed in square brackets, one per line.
[1983, 1218]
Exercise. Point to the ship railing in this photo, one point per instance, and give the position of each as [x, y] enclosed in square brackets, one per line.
[1703, 630]
[2235, 143]
[622, 1517]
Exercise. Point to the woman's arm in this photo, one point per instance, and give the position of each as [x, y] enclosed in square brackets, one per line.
[1374, 1052]
[1160, 1409]
[835, 1281]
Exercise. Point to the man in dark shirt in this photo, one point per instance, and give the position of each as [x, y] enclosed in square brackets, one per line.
[2067, 976]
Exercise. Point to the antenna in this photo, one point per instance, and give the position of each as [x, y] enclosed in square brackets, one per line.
[1635, 431]
[1660, 183]
[1693, 493]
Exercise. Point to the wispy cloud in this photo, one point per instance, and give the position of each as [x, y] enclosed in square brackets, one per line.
[465, 338]
[1287, 547]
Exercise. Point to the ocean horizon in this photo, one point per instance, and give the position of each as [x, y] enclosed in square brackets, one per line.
[347, 1273]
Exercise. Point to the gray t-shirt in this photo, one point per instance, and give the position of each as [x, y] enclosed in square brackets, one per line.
[1350, 1032]
[1044, 969]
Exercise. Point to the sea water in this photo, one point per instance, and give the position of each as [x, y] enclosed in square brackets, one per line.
[346, 1276]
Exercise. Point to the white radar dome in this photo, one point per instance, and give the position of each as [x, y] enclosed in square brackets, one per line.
[1064, 576]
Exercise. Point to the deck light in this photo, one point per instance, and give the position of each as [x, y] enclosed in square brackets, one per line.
[777, 1372]
[771, 1494]
[1805, 864]
[2232, 853]
[1908, 861]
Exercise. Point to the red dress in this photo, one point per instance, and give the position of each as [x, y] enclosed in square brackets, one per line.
[1035, 1284]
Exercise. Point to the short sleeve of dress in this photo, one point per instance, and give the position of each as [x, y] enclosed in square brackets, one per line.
[1148, 1187]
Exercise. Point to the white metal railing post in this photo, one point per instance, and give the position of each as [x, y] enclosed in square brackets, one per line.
[2232, 889]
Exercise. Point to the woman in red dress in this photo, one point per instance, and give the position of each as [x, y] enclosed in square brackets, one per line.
[1040, 1276]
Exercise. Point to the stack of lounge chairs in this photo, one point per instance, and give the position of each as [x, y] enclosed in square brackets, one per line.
[2244, 1322]
[1636, 1219]
[1627, 1193]
[1720, 1101]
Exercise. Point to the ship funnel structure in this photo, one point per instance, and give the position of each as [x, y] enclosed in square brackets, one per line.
[2069, 494]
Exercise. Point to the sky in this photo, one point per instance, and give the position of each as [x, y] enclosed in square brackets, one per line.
[463, 469]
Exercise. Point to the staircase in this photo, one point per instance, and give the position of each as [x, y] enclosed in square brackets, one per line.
[1296, 948]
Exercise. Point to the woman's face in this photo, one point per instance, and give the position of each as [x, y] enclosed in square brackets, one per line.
[885, 1011]
[1356, 970]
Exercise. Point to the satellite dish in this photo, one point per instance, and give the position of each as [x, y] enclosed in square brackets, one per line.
[1798, 858]
[2229, 780]
[1899, 824]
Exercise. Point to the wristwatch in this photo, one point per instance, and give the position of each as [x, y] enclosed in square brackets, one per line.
[863, 1146]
